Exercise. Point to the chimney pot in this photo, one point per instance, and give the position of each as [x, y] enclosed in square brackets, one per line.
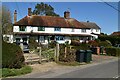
[66, 14]
[88, 21]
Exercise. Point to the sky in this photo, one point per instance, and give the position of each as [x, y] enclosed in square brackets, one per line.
[103, 15]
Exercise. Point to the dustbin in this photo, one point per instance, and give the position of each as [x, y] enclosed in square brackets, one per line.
[88, 56]
[80, 55]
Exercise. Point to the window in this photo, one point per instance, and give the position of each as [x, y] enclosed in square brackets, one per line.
[73, 30]
[83, 30]
[57, 29]
[59, 38]
[97, 30]
[41, 39]
[22, 28]
[18, 41]
[91, 30]
[41, 28]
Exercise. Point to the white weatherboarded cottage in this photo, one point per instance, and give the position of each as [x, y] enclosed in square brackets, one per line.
[47, 28]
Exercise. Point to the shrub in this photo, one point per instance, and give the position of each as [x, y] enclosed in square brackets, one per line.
[32, 43]
[113, 39]
[75, 42]
[113, 51]
[93, 43]
[12, 56]
[82, 46]
[105, 44]
[52, 44]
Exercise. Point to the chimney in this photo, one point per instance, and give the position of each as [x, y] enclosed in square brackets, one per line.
[15, 16]
[29, 12]
[88, 21]
[66, 14]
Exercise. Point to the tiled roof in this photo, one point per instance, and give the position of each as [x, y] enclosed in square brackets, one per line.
[52, 21]
[91, 25]
[116, 33]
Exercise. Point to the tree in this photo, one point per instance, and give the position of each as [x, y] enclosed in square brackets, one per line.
[44, 9]
[6, 21]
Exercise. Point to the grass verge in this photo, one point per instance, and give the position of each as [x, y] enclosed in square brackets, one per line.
[6, 72]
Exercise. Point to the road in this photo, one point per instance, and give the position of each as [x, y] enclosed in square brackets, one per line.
[107, 69]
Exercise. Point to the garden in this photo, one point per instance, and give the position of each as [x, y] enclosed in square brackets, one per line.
[13, 61]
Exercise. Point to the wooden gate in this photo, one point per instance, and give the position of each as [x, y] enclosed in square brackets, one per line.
[42, 54]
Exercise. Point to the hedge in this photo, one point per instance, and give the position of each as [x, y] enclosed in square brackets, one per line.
[113, 51]
[113, 39]
[12, 56]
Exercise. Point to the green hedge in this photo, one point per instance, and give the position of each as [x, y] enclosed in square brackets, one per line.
[113, 51]
[12, 56]
[113, 39]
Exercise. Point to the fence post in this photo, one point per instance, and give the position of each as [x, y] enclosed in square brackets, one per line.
[40, 58]
[65, 52]
[57, 52]
[31, 56]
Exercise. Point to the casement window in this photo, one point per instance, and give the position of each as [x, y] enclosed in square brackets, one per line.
[58, 38]
[18, 41]
[83, 30]
[41, 39]
[41, 28]
[73, 30]
[57, 29]
[91, 30]
[22, 28]
[97, 30]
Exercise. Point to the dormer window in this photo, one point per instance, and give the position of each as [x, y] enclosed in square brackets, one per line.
[83, 30]
[41, 28]
[57, 29]
[22, 28]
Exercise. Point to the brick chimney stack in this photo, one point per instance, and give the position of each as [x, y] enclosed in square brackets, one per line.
[29, 12]
[15, 16]
[66, 14]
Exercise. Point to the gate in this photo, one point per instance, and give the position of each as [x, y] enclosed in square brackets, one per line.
[42, 54]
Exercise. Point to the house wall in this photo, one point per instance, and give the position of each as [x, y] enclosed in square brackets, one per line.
[63, 31]
[51, 30]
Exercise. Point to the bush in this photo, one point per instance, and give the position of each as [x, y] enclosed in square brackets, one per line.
[82, 46]
[113, 51]
[113, 39]
[32, 43]
[105, 43]
[75, 42]
[12, 56]
[93, 43]
[52, 44]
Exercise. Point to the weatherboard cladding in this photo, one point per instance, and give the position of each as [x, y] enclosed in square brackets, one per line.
[52, 21]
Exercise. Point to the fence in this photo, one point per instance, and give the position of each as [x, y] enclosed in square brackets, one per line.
[42, 54]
